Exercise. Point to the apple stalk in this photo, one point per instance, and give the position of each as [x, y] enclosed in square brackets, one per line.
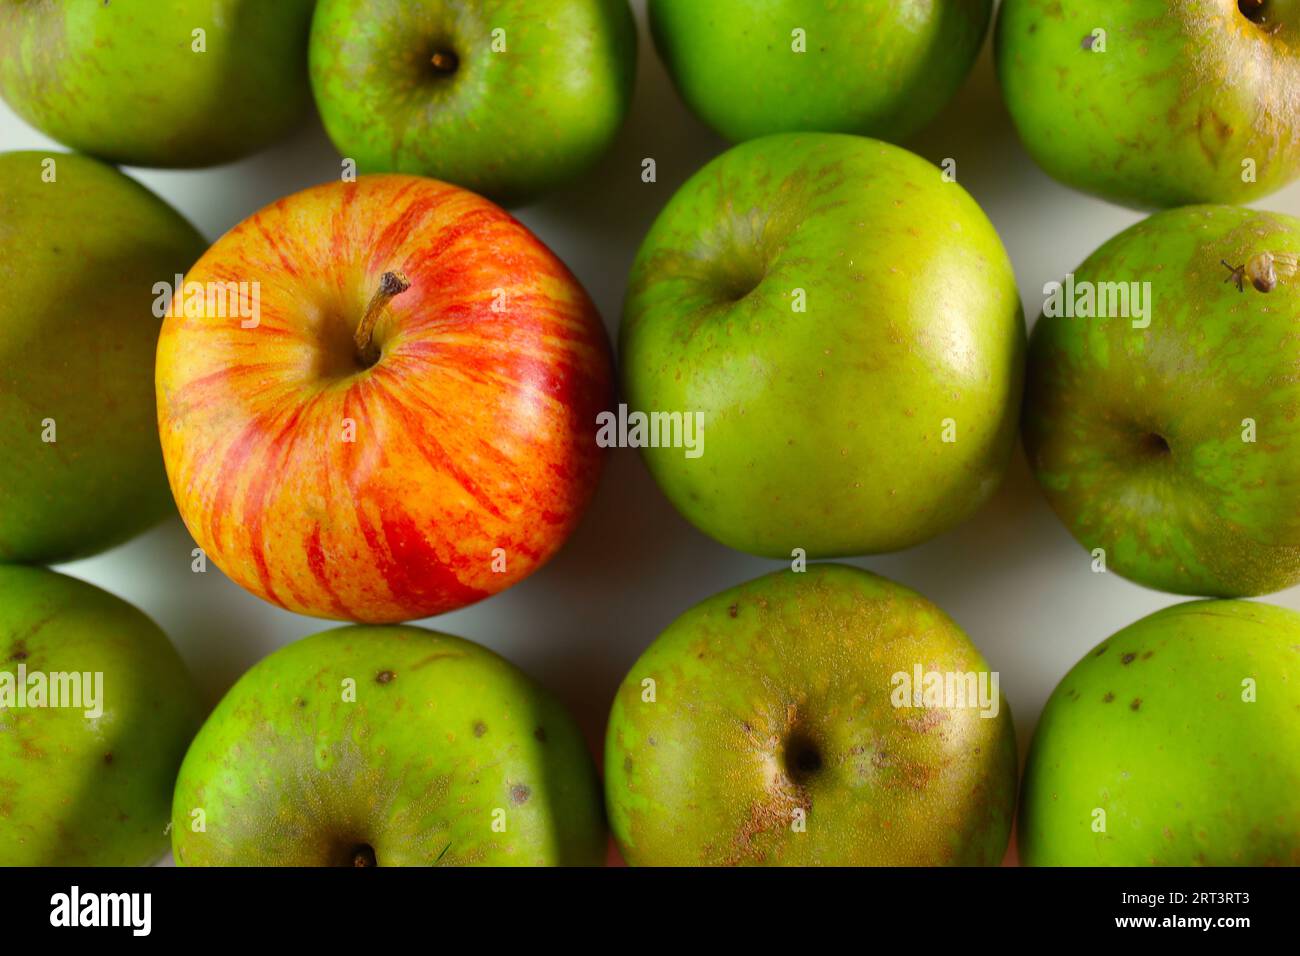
[391, 285]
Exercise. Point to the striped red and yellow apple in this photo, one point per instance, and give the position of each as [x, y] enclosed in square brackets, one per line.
[407, 425]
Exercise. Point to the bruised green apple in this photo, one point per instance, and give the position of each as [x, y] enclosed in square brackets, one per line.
[844, 322]
[184, 83]
[387, 746]
[96, 709]
[1162, 415]
[823, 717]
[81, 249]
[875, 67]
[1175, 742]
[1156, 102]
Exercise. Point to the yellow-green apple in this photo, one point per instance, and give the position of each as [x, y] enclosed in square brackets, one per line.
[1156, 102]
[826, 717]
[96, 710]
[1175, 742]
[1162, 415]
[183, 83]
[845, 322]
[876, 67]
[387, 746]
[81, 249]
[510, 98]
[406, 424]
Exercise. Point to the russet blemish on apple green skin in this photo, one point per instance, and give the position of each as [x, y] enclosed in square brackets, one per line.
[1186, 767]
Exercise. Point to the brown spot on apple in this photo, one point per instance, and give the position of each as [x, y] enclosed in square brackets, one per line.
[1213, 134]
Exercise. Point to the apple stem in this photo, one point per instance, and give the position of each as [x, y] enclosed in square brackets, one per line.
[391, 285]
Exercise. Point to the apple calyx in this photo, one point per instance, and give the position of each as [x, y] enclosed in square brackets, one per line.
[1270, 15]
[802, 758]
[1252, 10]
[391, 285]
[364, 855]
[444, 62]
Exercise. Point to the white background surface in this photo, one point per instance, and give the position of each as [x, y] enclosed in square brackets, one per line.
[1012, 577]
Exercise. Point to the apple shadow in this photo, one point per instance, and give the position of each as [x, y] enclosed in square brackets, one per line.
[217, 627]
[598, 596]
[975, 130]
[215, 204]
[597, 224]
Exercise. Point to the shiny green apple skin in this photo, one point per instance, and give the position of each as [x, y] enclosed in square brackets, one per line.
[710, 772]
[1136, 434]
[1152, 728]
[875, 67]
[1185, 91]
[123, 81]
[78, 791]
[79, 258]
[510, 124]
[441, 740]
[824, 429]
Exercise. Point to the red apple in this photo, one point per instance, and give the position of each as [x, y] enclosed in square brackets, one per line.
[397, 416]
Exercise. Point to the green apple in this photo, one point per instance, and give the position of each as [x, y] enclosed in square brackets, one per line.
[1167, 433]
[778, 723]
[1176, 742]
[1156, 102]
[875, 67]
[81, 250]
[387, 746]
[844, 324]
[509, 98]
[180, 83]
[96, 709]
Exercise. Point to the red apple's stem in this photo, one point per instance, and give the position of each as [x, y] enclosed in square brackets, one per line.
[391, 285]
